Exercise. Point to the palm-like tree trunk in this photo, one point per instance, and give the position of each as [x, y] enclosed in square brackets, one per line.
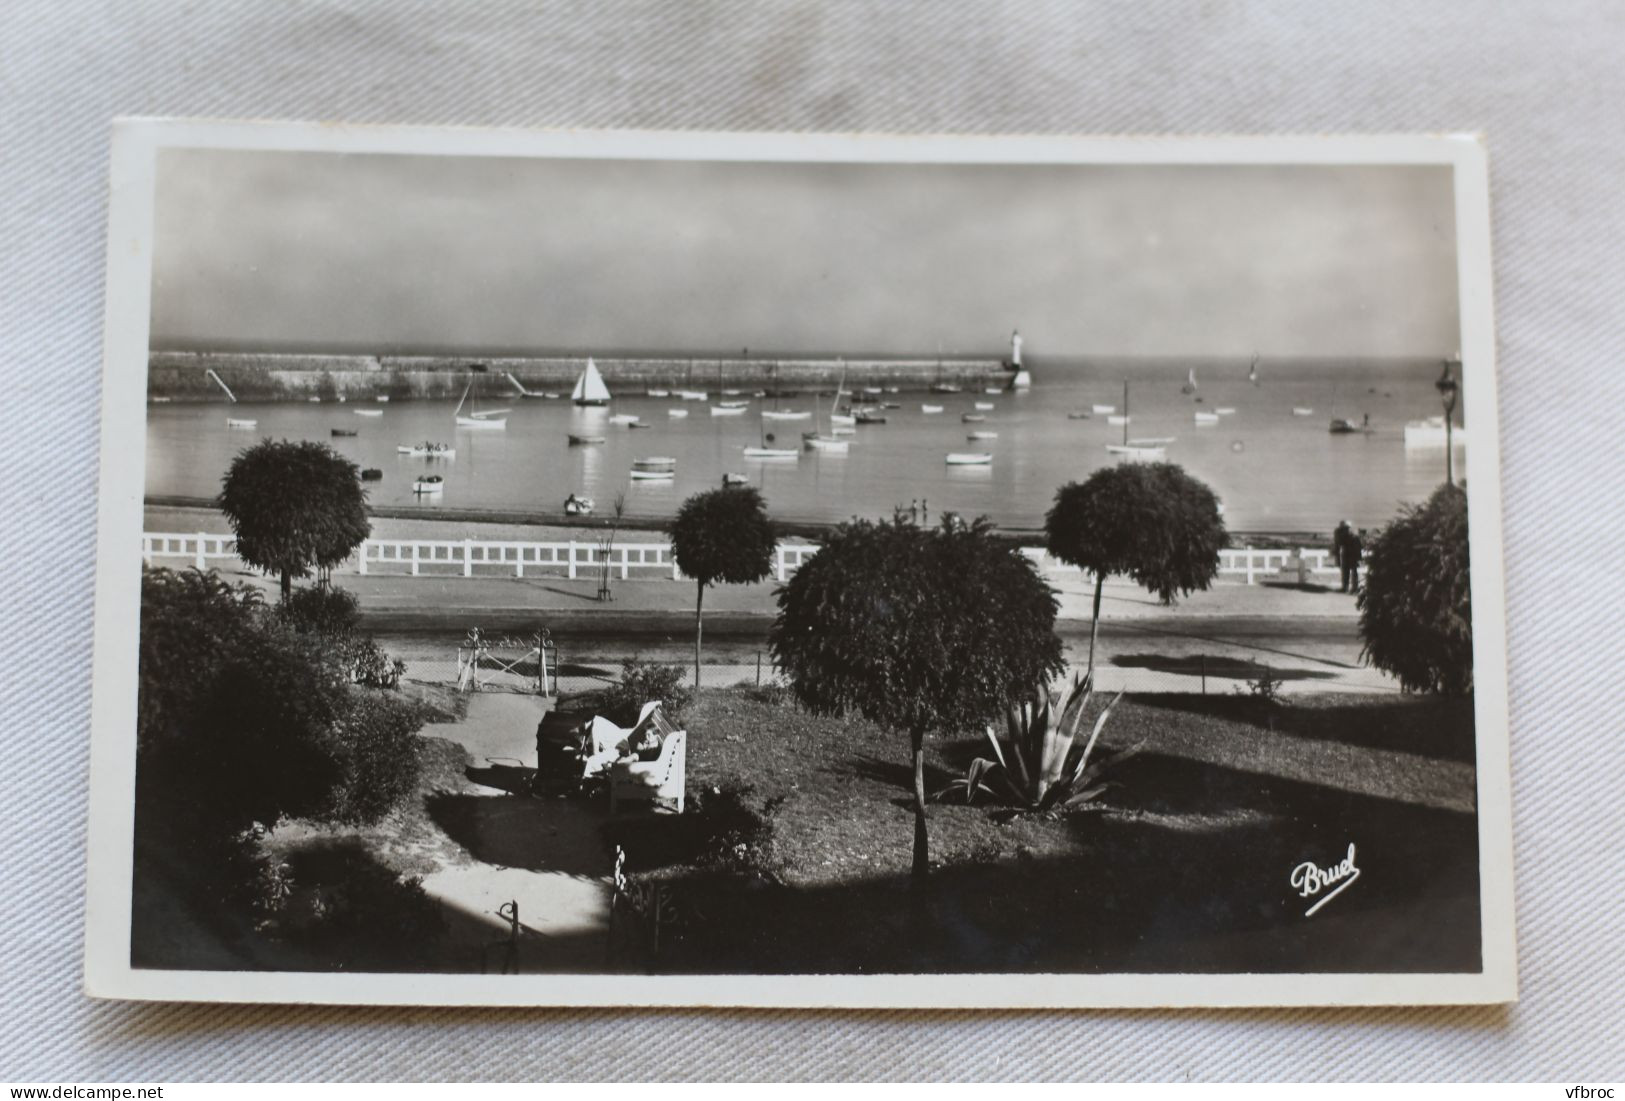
[1094, 621]
[699, 603]
[922, 854]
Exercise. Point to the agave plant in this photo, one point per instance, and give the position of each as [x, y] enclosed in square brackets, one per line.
[1035, 766]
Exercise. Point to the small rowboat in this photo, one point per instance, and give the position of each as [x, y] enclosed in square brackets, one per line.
[815, 442]
[482, 423]
[731, 393]
[1225, 410]
[690, 395]
[984, 405]
[314, 400]
[993, 390]
[677, 413]
[368, 412]
[733, 404]
[654, 468]
[658, 393]
[344, 431]
[968, 458]
[579, 506]
[972, 418]
[891, 404]
[372, 474]
[772, 453]
[868, 418]
[982, 436]
[583, 441]
[1131, 451]
[623, 419]
[640, 424]
[1078, 416]
[1205, 419]
[428, 450]
[551, 396]
[1117, 419]
[735, 479]
[431, 483]
[724, 411]
[945, 388]
[381, 398]
[1098, 408]
[873, 390]
[929, 409]
[842, 420]
[1302, 411]
[1150, 441]
[785, 415]
[240, 422]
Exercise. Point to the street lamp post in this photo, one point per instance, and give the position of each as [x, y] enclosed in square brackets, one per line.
[1449, 389]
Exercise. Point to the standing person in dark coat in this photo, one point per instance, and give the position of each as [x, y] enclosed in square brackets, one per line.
[1340, 543]
[1356, 551]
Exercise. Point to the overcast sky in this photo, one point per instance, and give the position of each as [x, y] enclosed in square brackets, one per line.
[373, 253]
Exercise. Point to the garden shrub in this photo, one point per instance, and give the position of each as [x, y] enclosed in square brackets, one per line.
[325, 610]
[1416, 610]
[364, 912]
[641, 682]
[380, 757]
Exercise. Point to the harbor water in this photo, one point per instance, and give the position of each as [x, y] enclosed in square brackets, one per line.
[1274, 469]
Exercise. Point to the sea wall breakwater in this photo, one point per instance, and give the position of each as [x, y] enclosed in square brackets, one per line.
[263, 376]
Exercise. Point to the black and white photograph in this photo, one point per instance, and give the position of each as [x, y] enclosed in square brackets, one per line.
[638, 568]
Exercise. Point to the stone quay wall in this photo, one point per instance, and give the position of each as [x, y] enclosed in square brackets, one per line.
[252, 376]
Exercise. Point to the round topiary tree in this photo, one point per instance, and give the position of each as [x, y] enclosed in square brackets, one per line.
[722, 535]
[1150, 522]
[920, 630]
[1416, 608]
[294, 506]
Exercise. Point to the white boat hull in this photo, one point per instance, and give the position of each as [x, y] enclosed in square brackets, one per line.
[1103, 408]
[982, 436]
[368, 412]
[1302, 411]
[775, 415]
[623, 418]
[677, 414]
[930, 409]
[1118, 419]
[237, 422]
[720, 411]
[1207, 418]
[429, 453]
[653, 475]
[771, 453]
[428, 487]
[481, 423]
[985, 406]
[1129, 451]
[968, 458]
[824, 443]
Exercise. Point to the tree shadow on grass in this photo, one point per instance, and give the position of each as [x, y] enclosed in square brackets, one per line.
[513, 779]
[1146, 890]
[1214, 665]
[1429, 726]
[900, 774]
[1298, 586]
[541, 835]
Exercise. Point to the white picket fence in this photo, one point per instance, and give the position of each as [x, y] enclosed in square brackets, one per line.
[485, 558]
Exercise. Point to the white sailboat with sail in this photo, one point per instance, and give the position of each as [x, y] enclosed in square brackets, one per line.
[590, 388]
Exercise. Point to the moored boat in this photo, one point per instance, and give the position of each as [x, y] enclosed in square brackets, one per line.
[1117, 419]
[771, 453]
[968, 458]
[690, 395]
[344, 431]
[677, 413]
[868, 418]
[623, 419]
[583, 441]
[429, 483]
[1225, 410]
[1099, 408]
[240, 422]
[590, 388]
[654, 467]
[658, 393]
[381, 397]
[984, 405]
[786, 414]
[930, 409]
[972, 418]
[428, 450]
[1135, 451]
[368, 412]
[1302, 411]
[813, 441]
[983, 435]
[730, 479]
[1206, 418]
[1079, 416]
[725, 411]
[372, 474]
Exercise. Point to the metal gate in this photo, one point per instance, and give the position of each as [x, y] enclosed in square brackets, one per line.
[526, 663]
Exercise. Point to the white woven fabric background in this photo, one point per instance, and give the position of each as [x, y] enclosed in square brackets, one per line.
[1545, 81]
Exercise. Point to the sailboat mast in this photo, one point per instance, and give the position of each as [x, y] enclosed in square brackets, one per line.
[1125, 412]
[464, 398]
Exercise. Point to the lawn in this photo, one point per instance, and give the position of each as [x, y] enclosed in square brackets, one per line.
[796, 854]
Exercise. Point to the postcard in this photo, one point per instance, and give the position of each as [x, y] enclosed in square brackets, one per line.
[633, 568]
